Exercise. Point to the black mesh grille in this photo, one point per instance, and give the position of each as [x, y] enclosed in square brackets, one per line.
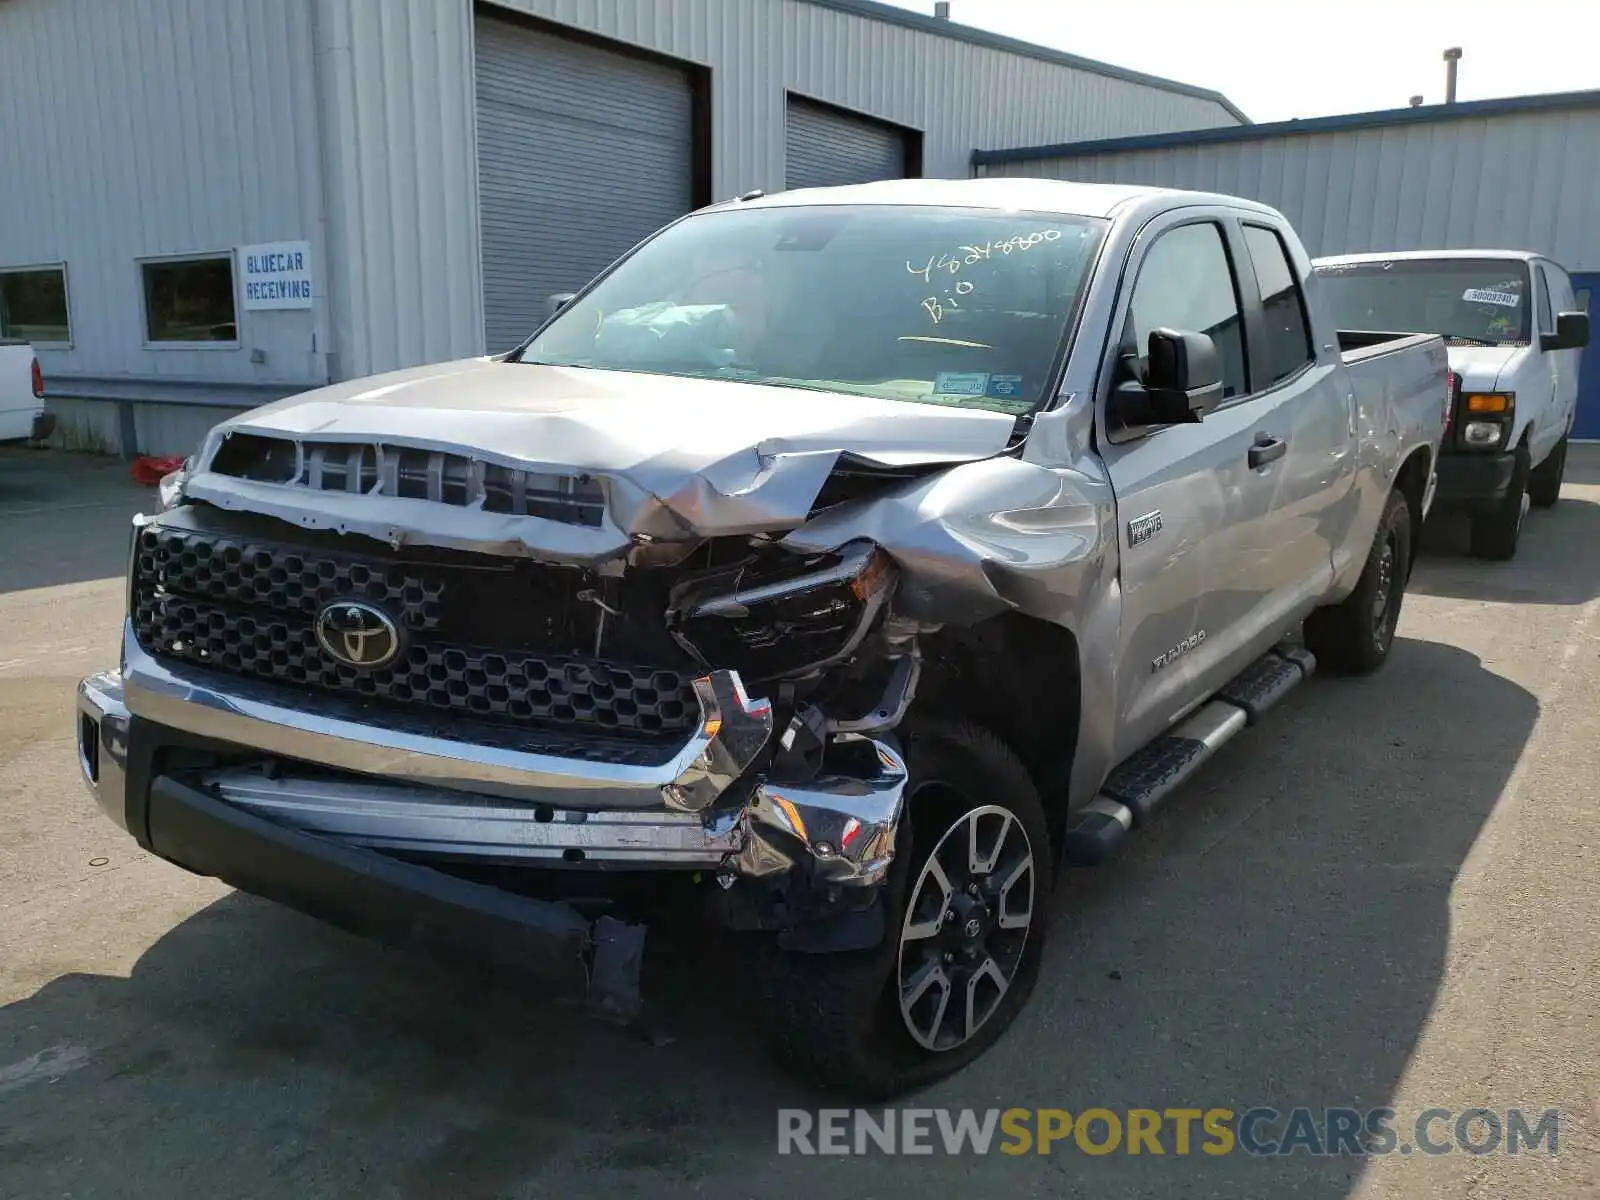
[246, 605]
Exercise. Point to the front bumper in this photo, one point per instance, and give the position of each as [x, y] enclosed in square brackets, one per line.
[1471, 481]
[331, 815]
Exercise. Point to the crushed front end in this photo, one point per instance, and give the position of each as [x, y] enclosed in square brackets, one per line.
[425, 739]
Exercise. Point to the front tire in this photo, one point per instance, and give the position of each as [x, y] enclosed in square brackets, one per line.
[1354, 636]
[940, 990]
[1496, 533]
[1544, 484]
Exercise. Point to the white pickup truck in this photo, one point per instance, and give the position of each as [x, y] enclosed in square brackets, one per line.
[837, 565]
[22, 414]
[1515, 335]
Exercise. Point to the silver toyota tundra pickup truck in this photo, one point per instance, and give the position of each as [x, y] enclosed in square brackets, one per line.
[834, 569]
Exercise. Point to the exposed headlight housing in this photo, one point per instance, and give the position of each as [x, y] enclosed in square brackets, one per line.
[170, 489]
[1482, 433]
[784, 620]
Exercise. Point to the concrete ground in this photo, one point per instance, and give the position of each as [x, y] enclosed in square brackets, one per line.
[1389, 894]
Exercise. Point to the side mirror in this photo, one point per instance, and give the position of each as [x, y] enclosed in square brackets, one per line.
[1572, 332]
[556, 303]
[1182, 381]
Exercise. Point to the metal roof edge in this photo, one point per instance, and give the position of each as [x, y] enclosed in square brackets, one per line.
[878, 11]
[1462, 110]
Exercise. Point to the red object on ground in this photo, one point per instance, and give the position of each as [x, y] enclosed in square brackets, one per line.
[149, 471]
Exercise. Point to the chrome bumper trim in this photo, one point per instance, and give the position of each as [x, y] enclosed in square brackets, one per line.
[102, 742]
[847, 823]
[431, 821]
[732, 731]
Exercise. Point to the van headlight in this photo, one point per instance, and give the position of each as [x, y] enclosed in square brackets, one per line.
[1486, 416]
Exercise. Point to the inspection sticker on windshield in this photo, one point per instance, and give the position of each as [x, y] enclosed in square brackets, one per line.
[961, 383]
[1005, 387]
[1486, 296]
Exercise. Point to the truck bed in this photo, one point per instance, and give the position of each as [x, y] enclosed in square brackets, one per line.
[1357, 345]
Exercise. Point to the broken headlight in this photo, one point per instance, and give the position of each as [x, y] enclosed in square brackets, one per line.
[170, 488]
[771, 621]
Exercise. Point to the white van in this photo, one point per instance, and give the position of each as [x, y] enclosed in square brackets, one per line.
[1515, 336]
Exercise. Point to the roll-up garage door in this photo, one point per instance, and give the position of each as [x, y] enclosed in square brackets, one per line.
[826, 147]
[582, 152]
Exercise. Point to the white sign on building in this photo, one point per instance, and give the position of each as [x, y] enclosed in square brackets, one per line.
[276, 275]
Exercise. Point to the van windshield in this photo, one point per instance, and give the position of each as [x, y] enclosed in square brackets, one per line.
[1478, 301]
[954, 306]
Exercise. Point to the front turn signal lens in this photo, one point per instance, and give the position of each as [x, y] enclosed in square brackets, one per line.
[871, 579]
[1488, 402]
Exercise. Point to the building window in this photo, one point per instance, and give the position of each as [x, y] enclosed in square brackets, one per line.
[1288, 339]
[33, 305]
[189, 300]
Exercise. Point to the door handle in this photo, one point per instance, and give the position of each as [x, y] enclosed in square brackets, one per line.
[1267, 449]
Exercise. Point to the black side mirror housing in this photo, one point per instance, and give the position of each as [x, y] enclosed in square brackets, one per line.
[1572, 332]
[1182, 381]
[557, 302]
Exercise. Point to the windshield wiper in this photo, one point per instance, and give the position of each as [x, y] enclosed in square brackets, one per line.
[1464, 337]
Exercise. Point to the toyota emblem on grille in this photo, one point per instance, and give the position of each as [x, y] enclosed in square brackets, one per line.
[357, 634]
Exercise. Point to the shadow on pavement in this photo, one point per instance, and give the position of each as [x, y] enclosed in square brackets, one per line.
[64, 517]
[1541, 573]
[1276, 938]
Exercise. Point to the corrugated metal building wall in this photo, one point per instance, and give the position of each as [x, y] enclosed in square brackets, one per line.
[155, 127]
[1522, 173]
[149, 128]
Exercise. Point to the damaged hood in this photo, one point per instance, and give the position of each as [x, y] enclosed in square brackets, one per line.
[676, 457]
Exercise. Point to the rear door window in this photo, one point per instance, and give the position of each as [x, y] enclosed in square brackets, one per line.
[1288, 330]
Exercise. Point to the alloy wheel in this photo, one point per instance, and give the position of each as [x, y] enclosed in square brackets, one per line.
[965, 928]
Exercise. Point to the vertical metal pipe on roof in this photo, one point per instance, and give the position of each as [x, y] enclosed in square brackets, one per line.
[1451, 57]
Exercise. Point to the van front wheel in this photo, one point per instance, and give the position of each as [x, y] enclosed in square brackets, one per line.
[1544, 484]
[1496, 533]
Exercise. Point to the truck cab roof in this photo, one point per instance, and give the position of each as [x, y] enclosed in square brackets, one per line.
[1393, 256]
[1103, 200]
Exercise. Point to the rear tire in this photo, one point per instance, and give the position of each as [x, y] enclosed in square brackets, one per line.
[1495, 534]
[838, 1020]
[1544, 484]
[1354, 636]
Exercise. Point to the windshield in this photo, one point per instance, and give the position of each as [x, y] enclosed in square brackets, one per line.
[940, 305]
[1479, 301]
